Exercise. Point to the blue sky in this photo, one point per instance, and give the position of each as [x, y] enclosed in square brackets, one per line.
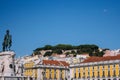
[35, 23]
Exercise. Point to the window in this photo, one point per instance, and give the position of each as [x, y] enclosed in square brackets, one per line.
[60, 74]
[103, 74]
[108, 73]
[55, 73]
[75, 75]
[119, 73]
[114, 65]
[50, 74]
[93, 74]
[114, 73]
[11, 66]
[79, 75]
[88, 73]
[103, 67]
[98, 74]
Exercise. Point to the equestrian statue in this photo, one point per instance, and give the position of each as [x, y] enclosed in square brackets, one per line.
[7, 43]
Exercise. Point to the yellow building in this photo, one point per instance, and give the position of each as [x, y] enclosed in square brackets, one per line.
[46, 70]
[54, 70]
[93, 68]
[29, 71]
[97, 68]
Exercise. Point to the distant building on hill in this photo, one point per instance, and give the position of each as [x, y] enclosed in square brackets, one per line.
[82, 57]
[111, 52]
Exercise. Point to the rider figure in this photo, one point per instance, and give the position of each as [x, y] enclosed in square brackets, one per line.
[7, 41]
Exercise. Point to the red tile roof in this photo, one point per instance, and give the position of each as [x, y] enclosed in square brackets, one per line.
[54, 62]
[97, 59]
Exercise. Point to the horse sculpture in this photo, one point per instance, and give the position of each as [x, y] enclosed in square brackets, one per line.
[7, 43]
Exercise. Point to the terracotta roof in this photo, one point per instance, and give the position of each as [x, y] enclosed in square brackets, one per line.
[54, 62]
[97, 59]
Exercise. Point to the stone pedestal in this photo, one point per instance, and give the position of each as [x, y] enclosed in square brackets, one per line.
[7, 63]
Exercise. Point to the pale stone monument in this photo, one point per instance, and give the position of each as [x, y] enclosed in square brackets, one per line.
[8, 69]
[7, 65]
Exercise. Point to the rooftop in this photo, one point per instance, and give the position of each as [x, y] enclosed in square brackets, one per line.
[54, 62]
[98, 59]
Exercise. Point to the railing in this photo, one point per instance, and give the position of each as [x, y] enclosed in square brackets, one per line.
[13, 78]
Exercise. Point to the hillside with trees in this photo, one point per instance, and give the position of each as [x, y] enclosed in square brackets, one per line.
[91, 49]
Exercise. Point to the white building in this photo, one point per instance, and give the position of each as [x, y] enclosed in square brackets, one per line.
[112, 52]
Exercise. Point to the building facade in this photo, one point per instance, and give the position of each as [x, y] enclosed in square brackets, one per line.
[95, 68]
[47, 70]
[28, 69]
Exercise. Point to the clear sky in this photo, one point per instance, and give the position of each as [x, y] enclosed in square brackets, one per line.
[35, 23]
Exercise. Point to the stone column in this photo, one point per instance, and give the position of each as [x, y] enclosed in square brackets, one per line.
[2, 78]
[58, 74]
[39, 74]
[106, 78]
[70, 74]
[111, 78]
[28, 78]
[23, 78]
[67, 74]
[117, 78]
[101, 79]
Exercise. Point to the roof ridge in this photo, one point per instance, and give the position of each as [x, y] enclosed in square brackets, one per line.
[97, 59]
[60, 62]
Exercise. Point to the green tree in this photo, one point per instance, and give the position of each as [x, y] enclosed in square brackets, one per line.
[36, 53]
[58, 51]
[48, 47]
[100, 54]
[63, 46]
[47, 54]
[88, 48]
[91, 49]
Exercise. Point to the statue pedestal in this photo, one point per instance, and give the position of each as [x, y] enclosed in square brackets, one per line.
[7, 63]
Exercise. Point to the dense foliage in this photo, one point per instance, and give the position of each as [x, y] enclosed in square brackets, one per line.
[48, 54]
[92, 50]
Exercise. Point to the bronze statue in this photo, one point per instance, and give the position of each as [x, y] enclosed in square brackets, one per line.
[7, 43]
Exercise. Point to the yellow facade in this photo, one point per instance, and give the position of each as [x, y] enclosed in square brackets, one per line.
[100, 70]
[57, 73]
[72, 70]
[111, 70]
[96, 71]
[29, 71]
[63, 74]
[91, 71]
[47, 73]
[77, 73]
[54, 73]
[106, 70]
[81, 72]
[117, 70]
[86, 72]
